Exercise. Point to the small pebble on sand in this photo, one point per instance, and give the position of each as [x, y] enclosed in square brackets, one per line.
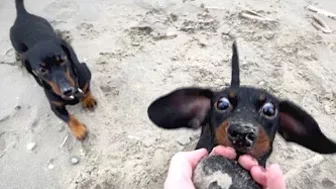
[269, 35]
[31, 146]
[171, 32]
[50, 166]
[74, 160]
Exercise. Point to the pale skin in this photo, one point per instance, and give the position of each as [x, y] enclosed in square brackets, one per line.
[183, 163]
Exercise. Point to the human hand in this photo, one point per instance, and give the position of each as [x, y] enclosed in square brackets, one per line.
[183, 164]
[270, 178]
[181, 169]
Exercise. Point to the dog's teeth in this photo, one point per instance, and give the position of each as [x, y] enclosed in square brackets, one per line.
[72, 97]
[80, 90]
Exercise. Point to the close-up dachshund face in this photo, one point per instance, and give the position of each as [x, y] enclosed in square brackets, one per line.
[243, 117]
[54, 69]
[57, 72]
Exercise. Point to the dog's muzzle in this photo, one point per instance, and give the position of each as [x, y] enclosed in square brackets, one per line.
[77, 93]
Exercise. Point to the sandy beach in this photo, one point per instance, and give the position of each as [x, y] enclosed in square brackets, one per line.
[139, 50]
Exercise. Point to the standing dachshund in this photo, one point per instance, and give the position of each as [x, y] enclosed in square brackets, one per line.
[54, 65]
[243, 117]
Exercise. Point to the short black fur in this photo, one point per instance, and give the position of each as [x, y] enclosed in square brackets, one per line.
[53, 63]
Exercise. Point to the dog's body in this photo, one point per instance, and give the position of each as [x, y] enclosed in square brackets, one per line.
[245, 118]
[54, 65]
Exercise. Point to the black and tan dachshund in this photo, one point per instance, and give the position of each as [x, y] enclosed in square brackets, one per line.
[54, 65]
[243, 117]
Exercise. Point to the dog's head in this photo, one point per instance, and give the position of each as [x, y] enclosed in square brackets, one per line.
[246, 118]
[50, 63]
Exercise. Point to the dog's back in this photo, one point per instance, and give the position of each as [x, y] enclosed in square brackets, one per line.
[29, 29]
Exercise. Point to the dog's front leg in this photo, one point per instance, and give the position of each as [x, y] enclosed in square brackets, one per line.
[77, 128]
[88, 101]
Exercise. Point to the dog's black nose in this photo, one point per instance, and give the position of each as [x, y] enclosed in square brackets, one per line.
[242, 136]
[68, 91]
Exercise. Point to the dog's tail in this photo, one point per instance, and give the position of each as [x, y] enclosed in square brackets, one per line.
[20, 8]
[235, 81]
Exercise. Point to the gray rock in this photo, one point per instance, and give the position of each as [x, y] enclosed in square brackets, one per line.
[217, 172]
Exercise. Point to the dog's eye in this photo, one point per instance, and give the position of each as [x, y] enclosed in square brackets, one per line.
[42, 70]
[63, 63]
[223, 104]
[64, 58]
[269, 110]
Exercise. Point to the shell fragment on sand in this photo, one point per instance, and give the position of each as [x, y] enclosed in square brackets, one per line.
[319, 24]
[31, 146]
[74, 160]
[248, 14]
[322, 12]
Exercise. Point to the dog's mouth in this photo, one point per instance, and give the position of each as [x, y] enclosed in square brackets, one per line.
[242, 146]
[77, 94]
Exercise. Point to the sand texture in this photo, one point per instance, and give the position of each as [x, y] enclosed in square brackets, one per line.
[139, 50]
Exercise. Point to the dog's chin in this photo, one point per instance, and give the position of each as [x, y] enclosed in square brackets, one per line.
[243, 150]
[77, 95]
[71, 97]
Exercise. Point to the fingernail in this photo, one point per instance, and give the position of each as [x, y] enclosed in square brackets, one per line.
[263, 169]
[251, 158]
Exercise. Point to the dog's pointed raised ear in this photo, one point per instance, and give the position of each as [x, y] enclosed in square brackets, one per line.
[186, 107]
[298, 126]
[235, 80]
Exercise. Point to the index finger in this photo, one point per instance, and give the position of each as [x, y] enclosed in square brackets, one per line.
[247, 162]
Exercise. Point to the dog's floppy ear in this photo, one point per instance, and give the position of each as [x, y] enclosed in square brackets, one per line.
[69, 51]
[73, 59]
[186, 107]
[28, 67]
[298, 126]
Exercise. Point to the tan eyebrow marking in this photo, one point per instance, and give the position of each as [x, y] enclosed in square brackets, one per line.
[232, 94]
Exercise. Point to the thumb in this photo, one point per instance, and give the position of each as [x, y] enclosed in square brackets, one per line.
[275, 178]
[194, 157]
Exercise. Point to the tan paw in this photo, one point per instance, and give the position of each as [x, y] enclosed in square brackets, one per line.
[78, 129]
[89, 102]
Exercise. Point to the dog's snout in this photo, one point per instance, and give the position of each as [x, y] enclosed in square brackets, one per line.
[68, 91]
[242, 136]
[251, 137]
